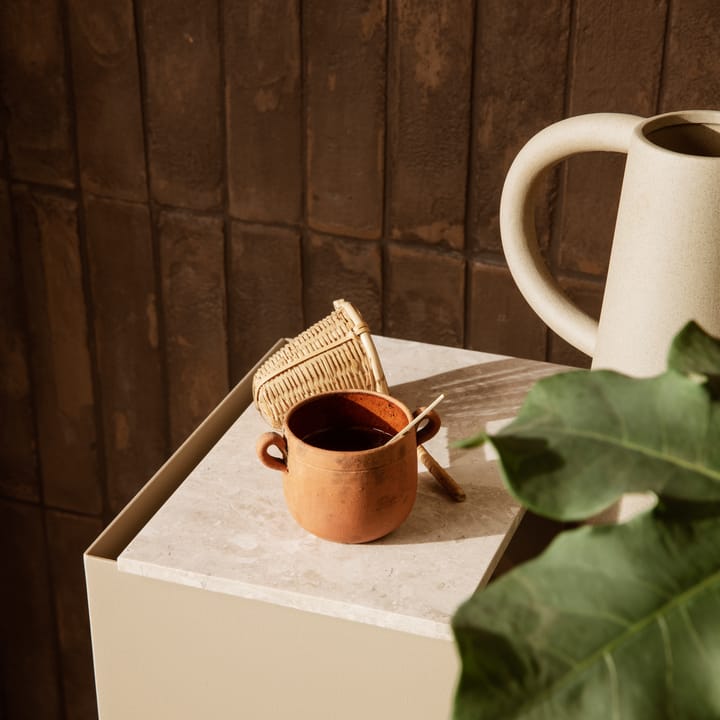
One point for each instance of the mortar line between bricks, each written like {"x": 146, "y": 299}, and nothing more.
{"x": 577, "y": 275}
{"x": 72, "y": 194}
{"x": 97, "y": 417}
{"x": 84, "y": 251}
{"x": 304, "y": 224}
{"x": 294, "y": 227}
{"x": 229, "y": 318}
{"x": 570, "y": 57}
{"x": 154, "y": 233}
{"x": 390, "y": 26}
{"x": 424, "y": 248}
{"x": 6, "y": 176}
{"x": 660, "y": 98}
{"x": 488, "y": 257}
{"x": 40, "y": 505}
{"x": 38, "y": 469}
{"x": 471, "y": 148}
{"x": 3, "y": 701}
{"x": 52, "y": 190}
{"x": 492, "y": 259}
{"x": 407, "y": 241}
{"x": 160, "y": 207}
{"x": 561, "y": 178}
{"x": 104, "y": 515}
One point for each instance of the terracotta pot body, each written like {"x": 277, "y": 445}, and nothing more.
{"x": 348, "y": 496}
{"x": 665, "y": 263}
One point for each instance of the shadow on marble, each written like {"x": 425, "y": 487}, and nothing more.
{"x": 437, "y": 519}
{"x": 474, "y": 396}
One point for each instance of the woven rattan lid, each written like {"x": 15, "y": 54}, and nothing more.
{"x": 336, "y": 353}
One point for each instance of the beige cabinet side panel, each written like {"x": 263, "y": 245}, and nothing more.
{"x": 163, "y": 650}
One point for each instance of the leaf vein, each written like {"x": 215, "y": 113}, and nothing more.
{"x": 669, "y": 674}
{"x": 643, "y": 450}
{"x": 694, "y": 633}
{"x": 608, "y": 647}
{"x": 614, "y": 689}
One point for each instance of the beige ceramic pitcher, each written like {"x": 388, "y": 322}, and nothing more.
{"x": 665, "y": 261}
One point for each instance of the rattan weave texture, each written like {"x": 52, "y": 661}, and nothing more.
{"x": 336, "y": 353}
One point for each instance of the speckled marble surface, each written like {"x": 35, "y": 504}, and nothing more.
{"x": 226, "y": 528}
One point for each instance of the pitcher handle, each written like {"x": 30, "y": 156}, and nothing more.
{"x": 595, "y": 132}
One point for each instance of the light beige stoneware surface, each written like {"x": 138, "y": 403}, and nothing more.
{"x": 226, "y": 529}
{"x": 664, "y": 268}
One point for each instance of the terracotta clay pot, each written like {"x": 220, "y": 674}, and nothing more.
{"x": 355, "y": 495}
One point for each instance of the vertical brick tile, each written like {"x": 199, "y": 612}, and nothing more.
{"x": 60, "y": 358}
{"x": 617, "y": 57}
{"x": 19, "y": 477}
{"x": 690, "y": 72}
{"x": 68, "y": 537}
{"x": 193, "y": 278}
{"x": 27, "y": 652}
{"x": 587, "y": 295}
{"x": 265, "y": 292}
{"x": 500, "y": 319}
{"x": 520, "y": 58}
{"x": 429, "y": 118}
{"x": 264, "y": 117}
{"x": 589, "y": 210}
{"x": 126, "y": 331}
{"x": 345, "y": 106}
{"x": 107, "y": 96}
{"x": 425, "y": 296}
{"x": 348, "y": 269}
{"x": 34, "y": 92}
{"x": 184, "y": 102}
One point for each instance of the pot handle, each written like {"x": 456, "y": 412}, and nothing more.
{"x": 595, "y": 132}
{"x": 428, "y": 426}
{"x": 264, "y": 443}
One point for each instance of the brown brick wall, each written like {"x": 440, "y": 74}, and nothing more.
{"x": 183, "y": 183}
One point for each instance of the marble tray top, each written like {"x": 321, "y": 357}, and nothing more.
{"x": 226, "y": 528}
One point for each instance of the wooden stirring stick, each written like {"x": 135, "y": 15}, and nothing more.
{"x": 439, "y": 473}
{"x": 444, "y": 478}
{"x": 416, "y": 420}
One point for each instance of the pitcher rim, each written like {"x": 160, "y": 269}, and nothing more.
{"x": 677, "y": 118}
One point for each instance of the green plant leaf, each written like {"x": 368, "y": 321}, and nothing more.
{"x": 472, "y": 442}
{"x": 582, "y": 439}
{"x": 695, "y": 353}
{"x": 617, "y": 621}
